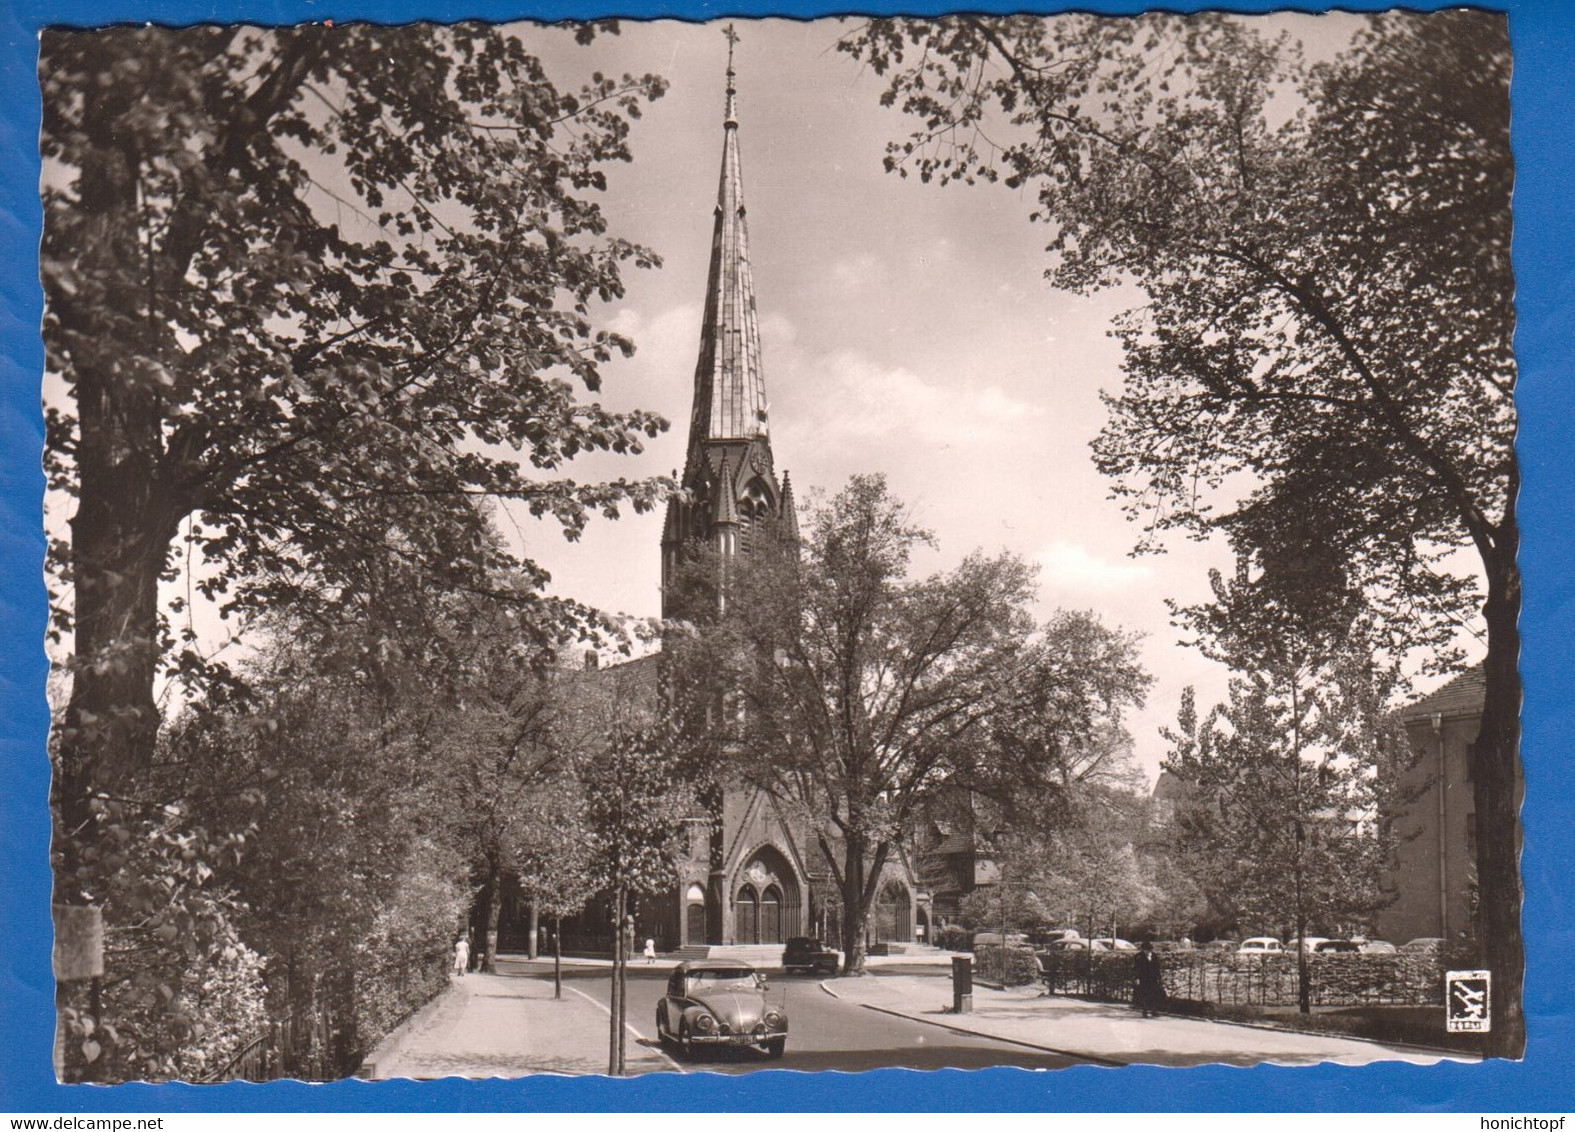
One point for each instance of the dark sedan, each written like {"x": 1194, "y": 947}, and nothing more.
{"x": 808, "y": 954}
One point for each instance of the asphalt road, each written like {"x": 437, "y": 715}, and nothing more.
{"x": 823, "y": 1032}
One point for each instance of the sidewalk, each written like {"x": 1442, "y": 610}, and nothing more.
{"x": 1111, "y": 1032}
{"x": 496, "y": 1026}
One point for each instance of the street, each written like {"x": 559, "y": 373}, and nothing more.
{"x": 509, "y": 1025}
{"x": 823, "y": 1032}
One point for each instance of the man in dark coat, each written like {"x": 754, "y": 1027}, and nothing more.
{"x": 1150, "y": 993}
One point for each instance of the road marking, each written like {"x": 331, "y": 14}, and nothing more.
{"x": 829, "y": 991}
{"x": 1089, "y": 1057}
{"x": 630, "y": 1027}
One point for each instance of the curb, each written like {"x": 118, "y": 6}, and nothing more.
{"x": 1090, "y": 1058}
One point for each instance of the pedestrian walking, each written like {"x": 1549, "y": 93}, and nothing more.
{"x": 1149, "y": 994}
{"x": 461, "y": 956}
{"x": 650, "y": 951}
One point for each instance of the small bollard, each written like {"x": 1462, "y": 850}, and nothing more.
{"x": 962, "y": 984}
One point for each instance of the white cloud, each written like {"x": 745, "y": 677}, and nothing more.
{"x": 860, "y": 271}
{"x": 866, "y": 399}
{"x": 1074, "y": 566}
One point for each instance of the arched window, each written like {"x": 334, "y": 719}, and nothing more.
{"x": 754, "y": 502}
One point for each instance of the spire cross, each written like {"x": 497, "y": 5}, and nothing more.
{"x": 730, "y": 33}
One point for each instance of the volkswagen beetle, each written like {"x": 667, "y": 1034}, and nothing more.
{"x": 719, "y": 1004}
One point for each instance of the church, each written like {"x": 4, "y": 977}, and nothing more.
{"x": 748, "y": 876}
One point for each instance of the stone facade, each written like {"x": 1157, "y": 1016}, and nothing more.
{"x": 1435, "y": 872}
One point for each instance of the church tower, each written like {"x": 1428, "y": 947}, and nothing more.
{"x": 731, "y": 494}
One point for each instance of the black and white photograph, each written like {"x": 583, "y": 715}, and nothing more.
{"x": 661, "y": 547}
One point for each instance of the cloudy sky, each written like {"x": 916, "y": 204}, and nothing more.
{"x": 907, "y": 329}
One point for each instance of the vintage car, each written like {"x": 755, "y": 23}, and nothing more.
{"x": 808, "y": 954}
{"x": 716, "y": 1004}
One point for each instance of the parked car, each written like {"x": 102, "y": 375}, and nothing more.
{"x": 1051, "y": 936}
{"x": 1111, "y": 945}
{"x": 1069, "y": 945}
{"x": 719, "y": 1004}
{"x": 807, "y": 954}
{"x": 1379, "y": 947}
{"x": 1309, "y": 943}
{"x": 1261, "y": 945}
{"x": 1337, "y": 947}
{"x": 1426, "y": 945}
{"x": 1220, "y": 945}
{"x": 993, "y": 939}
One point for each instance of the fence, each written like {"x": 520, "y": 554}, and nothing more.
{"x": 298, "y": 1047}
{"x": 1253, "y": 980}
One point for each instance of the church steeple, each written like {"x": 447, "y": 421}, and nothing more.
{"x": 730, "y": 389}
{"x": 731, "y": 494}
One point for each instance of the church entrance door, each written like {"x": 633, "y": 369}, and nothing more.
{"x": 747, "y": 914}
{"x": 771, "y": 916}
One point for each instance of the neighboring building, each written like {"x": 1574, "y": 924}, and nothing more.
{"x": 1435, "y": 868}
{"x": 750, "y": 877}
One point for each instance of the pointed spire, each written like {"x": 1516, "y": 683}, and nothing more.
{"x": 726, "y": 504}
{"x": 789, "y": 515}
{"x": 730, "y": 392}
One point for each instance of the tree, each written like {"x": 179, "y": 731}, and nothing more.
{"x": 633, "y": 803}
{"x": 301, "y": 286}
{"x": 1292, "y": 782}
{"x": 851, "y": 692}
{"x": 1323, "y": 255}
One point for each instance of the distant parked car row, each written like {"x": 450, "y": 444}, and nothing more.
{"x": 1067, "y": 939}
{"x": 1318, "y": 945}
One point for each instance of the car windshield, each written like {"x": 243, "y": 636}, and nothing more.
{"x": 731, "y": 979}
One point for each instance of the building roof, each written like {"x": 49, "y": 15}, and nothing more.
{"x": 1461, "y": 696}
{"x": 730, "y": 390}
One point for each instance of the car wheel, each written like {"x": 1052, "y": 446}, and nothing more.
{"x": 683, "y": 1040}
{"x": 776, "y": 1047}
{"x": 664, "y": 1037}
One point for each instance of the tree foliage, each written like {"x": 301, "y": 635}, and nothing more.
{"x": 1321, "y": 361}
{"x": 1289, "y": 788}
{"x": 311, "y": 293}
{"x": 313, "y": 296}
{"x": 853, "y": 692}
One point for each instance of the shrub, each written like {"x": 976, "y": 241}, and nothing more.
{"x": 1009, "y": 966}
{"x": 954, "y": 937}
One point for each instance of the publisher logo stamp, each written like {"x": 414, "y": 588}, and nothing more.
{"x": 1466, "y": 1001}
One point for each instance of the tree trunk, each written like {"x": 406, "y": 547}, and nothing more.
{"x": 854, "y": 910}
{"x": 531, "y": 942}
{"x": 860, "y": 880}
{"x": 716, "y": 880}
{"x": 557, "y": 957}
{"x": 614, "y": 1046}
{"x": 489, "y": 908}
{"x": 625, "y": 949}
{"x": 1498, "y": 787}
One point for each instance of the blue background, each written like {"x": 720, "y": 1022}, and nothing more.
{"x": 1543, "y": 34}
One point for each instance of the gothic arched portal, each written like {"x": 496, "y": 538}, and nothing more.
{"x": 768, "y": 901}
